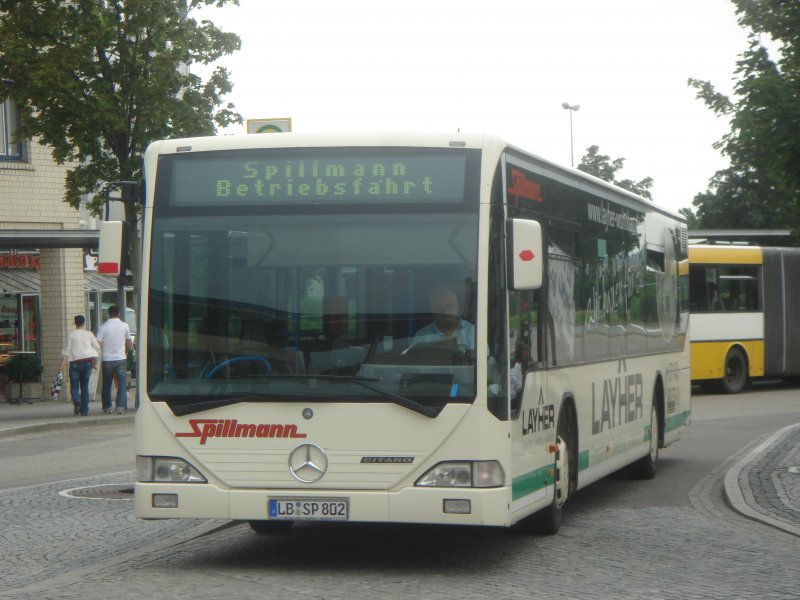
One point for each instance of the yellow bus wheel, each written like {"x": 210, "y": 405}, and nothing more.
{"x": 735, "y": 371}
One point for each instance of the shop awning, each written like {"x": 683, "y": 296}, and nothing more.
{"x": 19, "y": 282}
{"x": 94, "y": 282}
{"x": 29, "y": 282}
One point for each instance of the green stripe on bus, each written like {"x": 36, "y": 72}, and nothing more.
{"x": 677, "y": 421}
{"x": 536, "y": 480}
{"x": 541, "y": 477}
{"x": 531, "y": 482}
{"x": 583, "y": 460}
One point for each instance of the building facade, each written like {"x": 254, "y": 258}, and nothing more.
{"x": 31, "y": 200}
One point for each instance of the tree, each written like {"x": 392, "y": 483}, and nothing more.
{"x": 761, "y": 187}
{"x": 98, "y": 80}
{"x": 601, "y": 166}
{"x": 691, "y": 219}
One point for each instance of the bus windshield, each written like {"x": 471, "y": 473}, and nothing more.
{"x": 310, "y": 302}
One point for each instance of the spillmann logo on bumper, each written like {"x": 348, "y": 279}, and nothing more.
{"x": 231, "y": 428}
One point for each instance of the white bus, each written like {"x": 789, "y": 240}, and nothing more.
{"x": 396, "y": 328}
{"x": 745, "y": 302}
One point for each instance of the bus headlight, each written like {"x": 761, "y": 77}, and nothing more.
{"x": 480, "y": 474}
{"x": 160, "y": 469}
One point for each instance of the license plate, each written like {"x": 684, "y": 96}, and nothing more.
{"x": 312, "y": 509}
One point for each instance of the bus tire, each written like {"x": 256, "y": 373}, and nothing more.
{"x": 735, "y": 375}
{"x": 645, "y": 467}
{"x": 266, "y": 527}
{"x": 548, "y": 520}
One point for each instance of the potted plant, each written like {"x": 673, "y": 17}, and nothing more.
{"x": 23, "y": 369}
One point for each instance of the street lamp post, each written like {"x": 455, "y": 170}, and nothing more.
{"x": 571, "y": 108}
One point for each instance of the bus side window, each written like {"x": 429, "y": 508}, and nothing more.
{"x": 698, "y": 292}
{"x": 523, "y": 315}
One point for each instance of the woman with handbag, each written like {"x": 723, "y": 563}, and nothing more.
{"x": 81, "y": 354}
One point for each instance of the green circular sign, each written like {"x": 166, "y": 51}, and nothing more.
{"x": 269, "y": 128}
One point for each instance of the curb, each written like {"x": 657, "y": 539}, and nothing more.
{"x": 735, "y": 495}
{"x": 38, "y": 427}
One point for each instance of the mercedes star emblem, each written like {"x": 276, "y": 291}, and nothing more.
{"x": 308, "y": 463}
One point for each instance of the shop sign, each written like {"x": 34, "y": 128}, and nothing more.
{"x": 20, "y": 261}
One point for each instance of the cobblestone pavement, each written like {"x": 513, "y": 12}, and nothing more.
{"x": 60, "y": 547}
{"x": 765, "y": 483}
{"x": 65, "y": 548}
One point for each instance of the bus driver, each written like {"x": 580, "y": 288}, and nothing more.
{"x": 447, "y": 323}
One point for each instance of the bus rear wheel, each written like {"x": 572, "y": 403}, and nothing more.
{"x": 735, "y": 371}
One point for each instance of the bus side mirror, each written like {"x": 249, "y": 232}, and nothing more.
{"x": 524, "y": 255}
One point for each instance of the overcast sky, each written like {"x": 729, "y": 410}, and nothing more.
{"x": 503, "y": 67}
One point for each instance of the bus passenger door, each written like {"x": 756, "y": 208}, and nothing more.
{"x": 532, "y": 414}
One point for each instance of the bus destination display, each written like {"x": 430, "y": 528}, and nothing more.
{"x": 349, "y": 179}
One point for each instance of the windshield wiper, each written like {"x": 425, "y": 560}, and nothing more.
{"x": 423, "y": 409}
{"x": 195, "y": 407}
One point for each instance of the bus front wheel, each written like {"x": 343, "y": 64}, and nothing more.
{"x": 548, "y": 520}
{"x": 735, "y": 371}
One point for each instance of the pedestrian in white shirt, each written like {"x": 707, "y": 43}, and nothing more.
{"x": 80, "y": 354}
{"x": 115, "y": 340}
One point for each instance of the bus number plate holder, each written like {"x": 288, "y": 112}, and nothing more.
{"x": 312, "y": 509}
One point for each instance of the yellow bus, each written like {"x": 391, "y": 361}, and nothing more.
{"x": 745, "y": 323}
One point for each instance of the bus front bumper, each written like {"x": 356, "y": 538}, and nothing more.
{"x": 454, "y": 506}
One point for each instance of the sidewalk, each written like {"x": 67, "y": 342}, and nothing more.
{"x": 764, "y": 483}
{"x": 43, "y": 415}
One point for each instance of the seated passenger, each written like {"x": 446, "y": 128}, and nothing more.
{"x": 447, "y": 324}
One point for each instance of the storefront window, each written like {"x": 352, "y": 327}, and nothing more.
{"x": 18, "y": 334}
{"x": 8, "y": 330}
{"x": 30, "y": 324}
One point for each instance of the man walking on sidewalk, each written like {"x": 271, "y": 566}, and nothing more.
{"x": 115, "y": 340}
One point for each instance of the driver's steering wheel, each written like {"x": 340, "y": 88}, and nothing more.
{"x": 443, "y": 353}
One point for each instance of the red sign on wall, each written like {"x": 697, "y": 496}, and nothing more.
{"x": 20, "y": 261}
